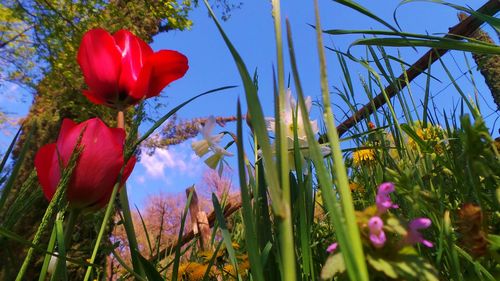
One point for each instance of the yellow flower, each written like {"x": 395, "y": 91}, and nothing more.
{"x": 354, "y": 186}
{"x": 363, "y": 156}
{"x": 193, "y": 271}
{"x": 432, "y": 135}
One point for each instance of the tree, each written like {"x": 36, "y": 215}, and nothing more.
{"x": 57, "y": 28}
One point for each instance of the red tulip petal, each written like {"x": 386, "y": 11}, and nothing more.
{"x": 160, "y": 69}
{"x": 100, "y": 61}
{"x": 66, "y": 127}
{"x": 99, "y": 164}
{"x": 127, "y": 170}
{"x": 134, "y": 53}
{"x": 95, "y": 98}
{"x": 68, "y": 136}
{"x": 47, "y": 169}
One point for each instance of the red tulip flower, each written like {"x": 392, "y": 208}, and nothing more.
{"x": 121, "y": 69}
{"x": 98, "y": 167}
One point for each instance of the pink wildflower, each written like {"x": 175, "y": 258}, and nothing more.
{"x": 332, "y": 248}
{"x": 383, "y": 200}
{"x": 414, "y": 236}
{"x": 377, "y": 234}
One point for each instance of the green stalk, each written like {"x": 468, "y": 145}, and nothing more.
{"x": 104, "y": 224}
{"x": 46, "y": 261}
{"x": 360, "y": 273}
{"x": 254, "y": 253}
{"x": 285, "y": 222}
{"x": 53, "y": 206}
{"x": 127, "y": 217}
{"x": 129, "y": 229}
{"x": 64, "y": 241}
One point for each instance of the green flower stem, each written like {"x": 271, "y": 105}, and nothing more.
{"x": 104, "y": 223}
{"x": 127, "y": 217}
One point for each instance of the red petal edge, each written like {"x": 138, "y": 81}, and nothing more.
{"x": 47, "y": 169}
{"x": 160, "y": 69}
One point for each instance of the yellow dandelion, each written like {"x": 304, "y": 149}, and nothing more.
{"x": 432, "y": 135}
{"x": 198, "y": 271}
{"x": 235, "y": 245}
{"x": 193, "y": 271}
{"x": 229, "y": 269}
{"x": 363, "y": 156}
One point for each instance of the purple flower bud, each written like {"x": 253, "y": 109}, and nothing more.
{"x": 332, "y": 248}
{"x": 414, "y": 236}
{"x": 383, "y": 200}
{"x": 386, "y": 188}
{"x": 377, "y": 234}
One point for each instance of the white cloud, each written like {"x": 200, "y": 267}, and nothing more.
{"x": 176, "y": 160}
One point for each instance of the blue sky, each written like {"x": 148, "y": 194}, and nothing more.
{"x": 251, "y": 31}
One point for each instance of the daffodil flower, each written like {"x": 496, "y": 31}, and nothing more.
{"x": 287, "y": 121}
{"x": 210, "y": 143}
{"x": 290, "y": 108}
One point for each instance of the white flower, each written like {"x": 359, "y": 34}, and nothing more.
{"x": 290, "y": 108}
{"x": 210, "y": 143}
{"x": 287, "y": 121}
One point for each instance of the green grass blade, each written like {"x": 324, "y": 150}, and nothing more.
{"x": 61, "y": 273}
{"x": 48, "y": 257}
{"x": 149, "y": 269}
{"x": 54, "y": 204}
{"x": 145, "y": 229}
{"x": 248, "y": 218}
{"x": 442, "y": 43}
{"x": 355, "y": 6}
{"x": 9, "y": 150}
{"x": 354, "y": 258}
{"x": 426, "y": 96}
{"x": 15, "y": 171}
{"x": 128, "y": 224}
{"x": 164, "y": 118}
{"x": 330, "y": 196}
{"x": 493, "y": 21}
{"x": 177, "y": 257}
{"x": 226, "y": 236}
{"x": 284, "y": 221}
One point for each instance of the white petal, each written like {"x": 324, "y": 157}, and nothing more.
{"x": 208, "y": 128}
{"x": 200, "y": 147}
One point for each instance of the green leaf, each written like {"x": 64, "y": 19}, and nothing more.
{"x": 334, "y": 265}
{"x": 355, "y": 6}
{"x": 164, "y": 118}
{"x": 149, "y": 269}
{"x": 393, "y": 224}
{"x": 441, "y": 43}
{"x": 9, "y": 150}
{"x": 4, "y": 192}
{"x": 381, "y": 265}
{"x": 494, "y": 241}
{"x": 494, "y": 22}
{"x": 225, "y": 232}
